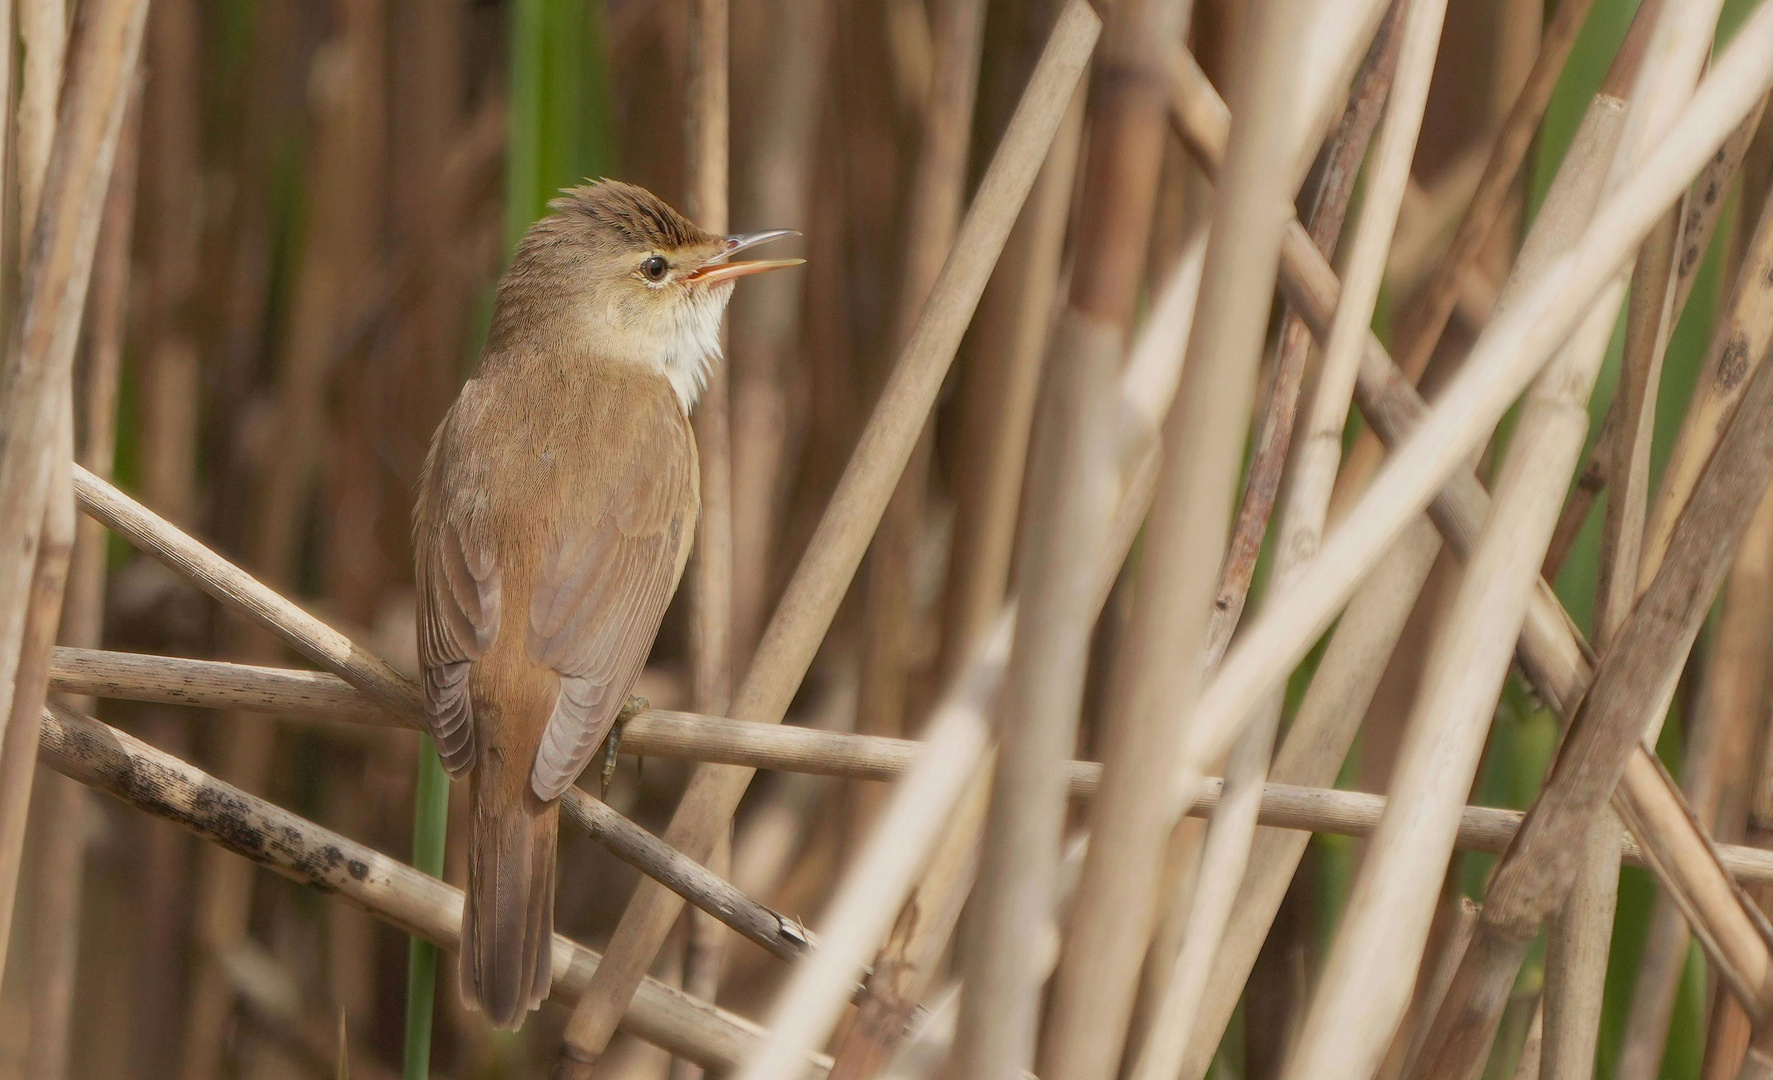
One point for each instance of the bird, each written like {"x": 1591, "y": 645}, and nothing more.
{"x": 553, "y": 517}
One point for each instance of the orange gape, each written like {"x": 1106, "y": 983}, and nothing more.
{"x": 554, "y": 517}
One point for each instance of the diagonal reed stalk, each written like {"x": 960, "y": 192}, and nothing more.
{"x": 835, "y": 550}
{"x": 1581, "y": 934}
{"x": 1553, "y": 653}
{"x": 160, "y": 784}
{"x": 392, "y": 692}
{"x": 1108, "y": 929}
{"x": 1385, "y": 928}
{"x": 1632, "y": 688}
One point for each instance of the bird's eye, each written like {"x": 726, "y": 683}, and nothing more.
{"x": 654, "y": 268}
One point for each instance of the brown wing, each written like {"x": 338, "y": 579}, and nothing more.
{"x": 458, "y": 618}
{"x": 600, "y": 596}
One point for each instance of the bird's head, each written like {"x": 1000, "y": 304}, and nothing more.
{"x": 617, "y": 271}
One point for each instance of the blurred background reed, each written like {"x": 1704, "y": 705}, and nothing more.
{"x": 311, "y": 204}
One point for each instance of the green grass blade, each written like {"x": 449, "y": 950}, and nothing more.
{"x": 429, "y": 828}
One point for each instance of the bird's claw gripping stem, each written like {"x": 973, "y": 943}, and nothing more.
{"x": 634, "y": 706}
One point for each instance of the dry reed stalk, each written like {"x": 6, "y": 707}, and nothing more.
{"x": 910, "y": 961}
{"x": 63, "y": 818}
{"x": 997, "y": 393}
{"x": 1557, "y": 660}
{"x": 1156, "y": 668}
{"x": 170, "y": 369}
{"x": 1307, "y": 503}
{"x": 1506, "y": 357}
{"x": 1666, "y": 948}
{"x": 1071, "y": 497}
{"x": 1631, "y": 689}
{"x": 1704, "y": 209}
{"x": 775, "y": 180}
{"x": 36, "y": 424}
{"x": 1431, "y": 212}
{"x": 237, "y": 589}
{"x": 711, "y": 595}
{"x": 1274, "y": 439}
{"x": 1453, "y": 940}
{"x": 43, "y": 35}
{"x": 1723, "y": 730}
{"x": 712, "y": 582}
{"x": 1736, "y": 691}
{"x": 1372, "y": 965}
{"x": 415, "y": 903}
{"x": 1580, "y": 935}
{"x": 836, "y": 548}
{"x": 777, "y": 934}
{"x": 1311, "y": 755}
{"x": 382, "y": 685}
{"x": 1066, "y": 524}
{"x": 1335, "y": 49}
{"x": 1365, "y": 457}
{"x": 936, "y": 197}
{"x": 1507, "y": 153}
{"x": 1290, "y": 805}
{"x": 868, "y": 899}
{"x": 1739, "y": 345}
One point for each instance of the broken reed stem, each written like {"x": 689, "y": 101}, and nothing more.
{"x": 1415, "y": 26}
{"x": 36, "y": 404}
{"x": 867, "y": 900}
{"x": 836, "y": 548}
{"x": 416, "y": 903}
{"x": 313, "y": 695}
{"x": 1505, "y": 358}
{"x": 1508, "y": 152}
{"x": 384, "y": 688}
{"x": 1155, "y": 672}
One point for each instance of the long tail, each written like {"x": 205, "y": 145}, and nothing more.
{"x": 508, "y": 925}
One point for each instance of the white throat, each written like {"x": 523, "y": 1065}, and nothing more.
{"x": 691, "y": 342}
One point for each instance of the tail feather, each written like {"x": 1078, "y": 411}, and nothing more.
{"x": 508, "y": 924}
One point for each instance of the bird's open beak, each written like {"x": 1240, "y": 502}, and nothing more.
{"x": 720, "y": 268}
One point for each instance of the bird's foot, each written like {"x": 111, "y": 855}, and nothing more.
{"x": 634, "y": 706}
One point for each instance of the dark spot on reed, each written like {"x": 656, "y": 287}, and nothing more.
{"x": 1733, "y": 365}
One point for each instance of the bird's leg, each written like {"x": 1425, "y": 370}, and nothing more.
{"x": 634, "y": 706}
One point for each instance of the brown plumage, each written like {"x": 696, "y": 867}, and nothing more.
{"x": 554, "y": 517}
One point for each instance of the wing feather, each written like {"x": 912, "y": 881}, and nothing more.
{"x": 459, "y": 592}
{"x": 597, "y": 604}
